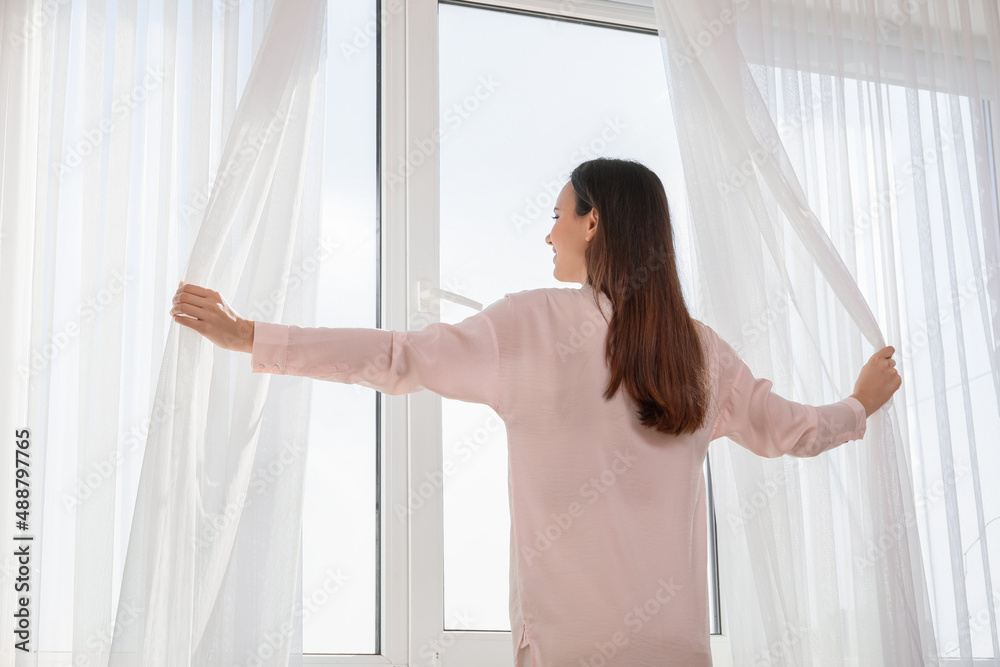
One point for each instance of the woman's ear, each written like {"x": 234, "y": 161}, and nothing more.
{"x": 592, "y": 225}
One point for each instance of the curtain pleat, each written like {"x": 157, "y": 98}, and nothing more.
{"x": 189, "y": 157}
{"x": 840, "y": 185}
{"x": 206, "y": 603}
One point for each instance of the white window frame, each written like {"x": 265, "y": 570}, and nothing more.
{"x": 411, "y": 579}
{"x": 410, "y": 49}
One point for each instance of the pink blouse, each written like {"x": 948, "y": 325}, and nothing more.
{"x": 608, "y": 527}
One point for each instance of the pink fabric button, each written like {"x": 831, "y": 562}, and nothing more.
{"x": 275, "y": 368}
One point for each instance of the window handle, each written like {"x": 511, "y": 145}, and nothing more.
{"x": 429, "y": 298}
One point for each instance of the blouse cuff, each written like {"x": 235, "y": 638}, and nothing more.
{"x": 270, "y": 344}
{"x": 859, "y": 411}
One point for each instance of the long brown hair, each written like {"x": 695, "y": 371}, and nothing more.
{"x": 653, "y": 348}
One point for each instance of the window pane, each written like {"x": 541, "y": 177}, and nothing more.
{"x": 339, "y": 535}
{"x": 523, "y": 100}
{"x": 339, "y": 554}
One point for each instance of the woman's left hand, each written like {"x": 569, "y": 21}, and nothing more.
{"x": 205, "y": 311}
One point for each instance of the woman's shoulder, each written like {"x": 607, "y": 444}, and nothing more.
{"x": 709, "y": 336}
{"x": 705, "y": 332}
{"x": 543, "y": 304}
{"x": 542, "y": 294}
{"x": 725, "y": 357}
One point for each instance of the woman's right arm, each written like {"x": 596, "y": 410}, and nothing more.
{"x": 459, "y": 361}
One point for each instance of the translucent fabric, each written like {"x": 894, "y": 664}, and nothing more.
{"x": 195, "y": 559}
{"x": 839, "y": 178}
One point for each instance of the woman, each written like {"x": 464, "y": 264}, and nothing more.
{"x": 610, "y": 394}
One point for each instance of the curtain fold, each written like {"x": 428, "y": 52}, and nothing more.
{"x": 206, "y": 596}
{"x": 825, "y": 149}
{"x": 194, "y": 557}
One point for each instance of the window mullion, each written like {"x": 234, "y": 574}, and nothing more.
{"x": 394, "y": 557}
{"x": 419, "y": 169}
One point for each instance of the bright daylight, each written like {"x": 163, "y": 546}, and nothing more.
{"x": 454, "y": 333}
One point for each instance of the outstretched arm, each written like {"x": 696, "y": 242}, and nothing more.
{"x": 770, "y": 425}
{"x": 459, "y": 361}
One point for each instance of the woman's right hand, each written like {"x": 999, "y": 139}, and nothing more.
{"x": 878, "y": 380}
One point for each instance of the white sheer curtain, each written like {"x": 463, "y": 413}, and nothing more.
{"x": 173, "y": 174}
{"x": 842, "y": 199}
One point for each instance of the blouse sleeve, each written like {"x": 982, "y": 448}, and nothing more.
{"x": 459, "y": 361}
{"x": 769, "y": 425}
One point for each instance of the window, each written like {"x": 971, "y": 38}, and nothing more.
{"x": 515, "y": 120}
{"x": 340, "y": 534}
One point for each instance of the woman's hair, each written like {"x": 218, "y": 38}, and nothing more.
{"x": 653, "y": 347}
